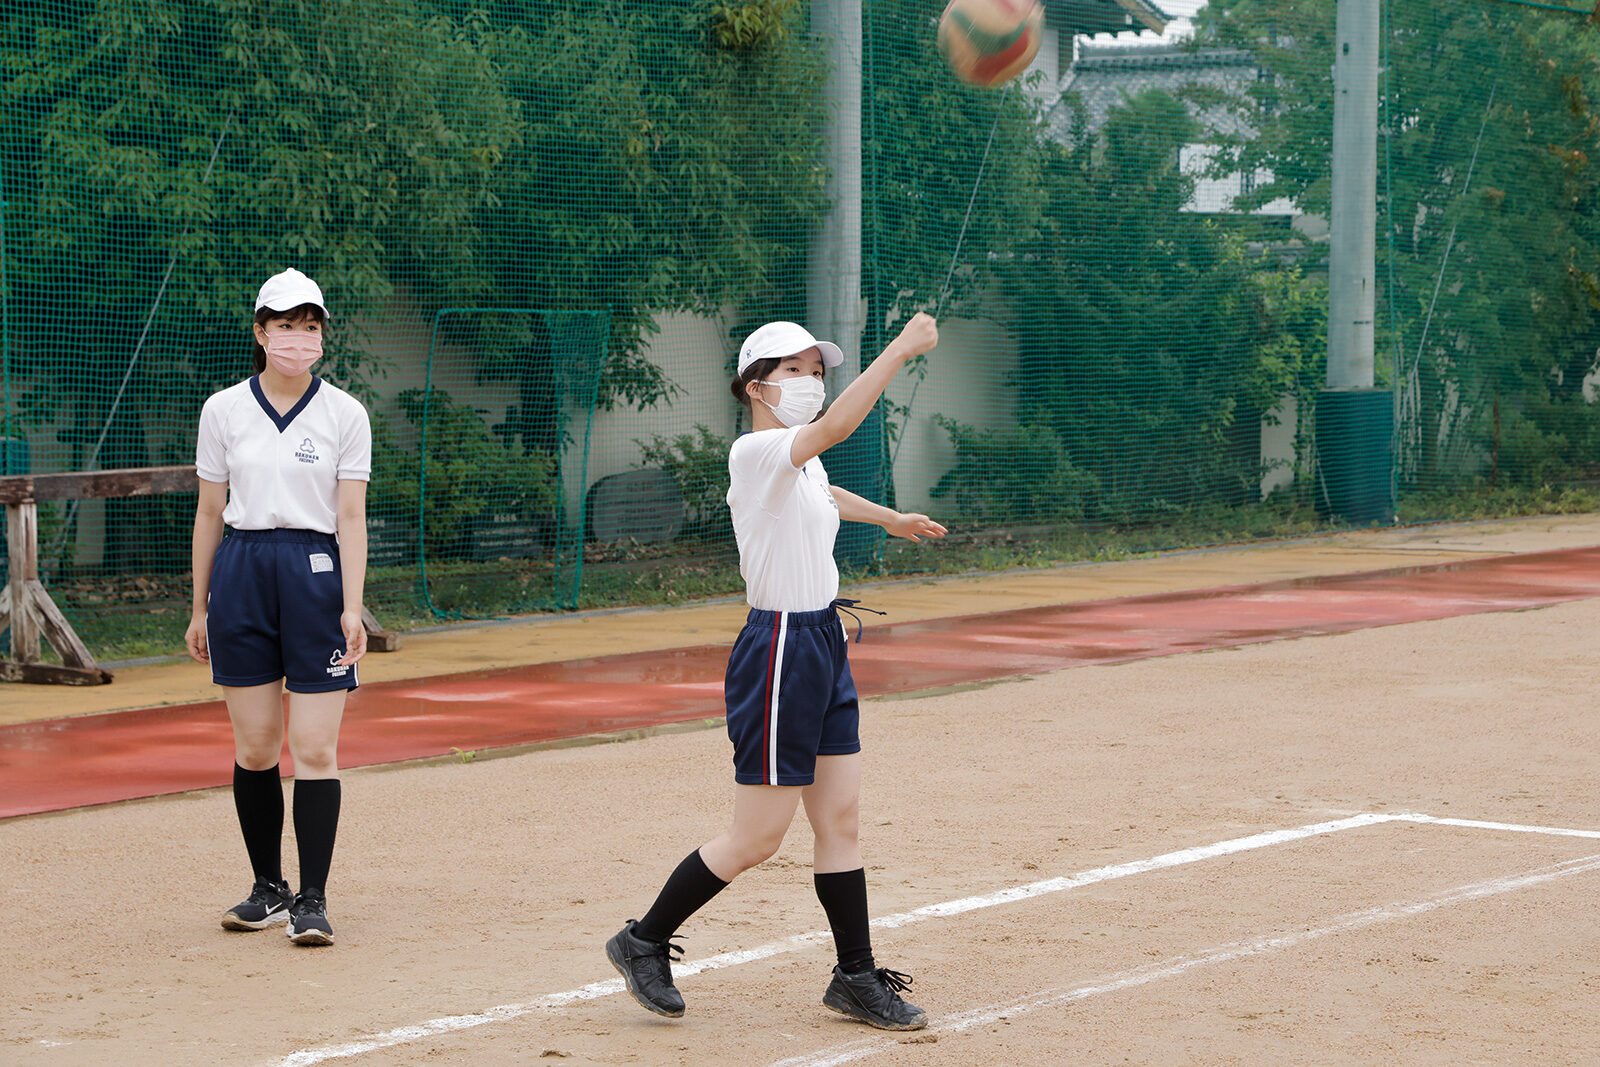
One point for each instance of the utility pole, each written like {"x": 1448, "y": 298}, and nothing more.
{"x": 833, "y": 280}
{"x": 1352, "y": 269}
{"x": 834, "y": 308}
{"x": 1355, "y": 421}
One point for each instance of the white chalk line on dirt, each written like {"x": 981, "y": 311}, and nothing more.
{"x": 594, "y": 990}
{"x": 1478, "y": 824}
{"x": 501, "y": 1013}
{"x": 1178, "y": 965}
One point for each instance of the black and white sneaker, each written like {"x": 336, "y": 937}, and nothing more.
{"x": 267, "y": 904}
{"x": 646, "y": 966}
{"x": 308, "y": 919}
{"x": 873, "y": 997}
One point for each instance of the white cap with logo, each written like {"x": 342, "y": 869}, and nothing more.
{"x": 288, "y": 290}
{"x": 776, "y": 340}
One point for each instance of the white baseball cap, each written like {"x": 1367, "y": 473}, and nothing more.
{"x": 287, "y": 290}
{"x": 776, "y": 340}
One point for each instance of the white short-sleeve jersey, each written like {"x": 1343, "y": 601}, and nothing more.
{"x": 785, "y": 520}
{"x": 283, "y": 471}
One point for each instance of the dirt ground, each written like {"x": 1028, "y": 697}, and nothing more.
{"x": 463, "y": 887}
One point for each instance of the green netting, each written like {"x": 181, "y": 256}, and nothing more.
{"x": 543, "y": 229}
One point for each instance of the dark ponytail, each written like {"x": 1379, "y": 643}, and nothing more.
{"x": 753, "y": 373}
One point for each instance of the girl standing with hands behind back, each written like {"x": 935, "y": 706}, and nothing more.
{"x": 792, "y": 712}
{"x": 280, "y": 558}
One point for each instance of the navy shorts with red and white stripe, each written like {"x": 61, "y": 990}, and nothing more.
{"x": 790, "y": 696}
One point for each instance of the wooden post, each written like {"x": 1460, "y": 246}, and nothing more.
{"x": 22, "y": 555}
{"x": 29, "y": 611}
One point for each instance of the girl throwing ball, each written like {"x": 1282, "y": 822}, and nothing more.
{"x": 792, "y": 713}
{"x": 280, "y": 557}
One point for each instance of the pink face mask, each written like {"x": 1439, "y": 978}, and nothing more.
{"x": 292, "y": 353}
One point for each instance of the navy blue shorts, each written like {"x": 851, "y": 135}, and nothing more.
{"x": 790, "y": 696}
{"x": 276, "y": 598}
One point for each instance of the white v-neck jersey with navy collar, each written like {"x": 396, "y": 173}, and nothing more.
{"x": 785, "y": 520}
{"x": 283, "y": 471}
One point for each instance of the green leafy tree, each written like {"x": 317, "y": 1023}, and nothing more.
{"x": 472, "y": 475}
{"x": 1014, "y": 474}
{"x": 925, "y": 137}
{"x": 1488, "y": 240}
{"x": 168, "y": 154}
{"x": 657, "y": 169}
{"x": 1148, "y": 336}
{"x": 162, "y": 156}
{"x": 698, "y": 462}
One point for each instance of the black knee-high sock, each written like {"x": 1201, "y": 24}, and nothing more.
{"x": 688, "y": 889}
{"x": 316, "y": 823}
{"x": 258, "y": 798}
{"x": 844, "y": 898}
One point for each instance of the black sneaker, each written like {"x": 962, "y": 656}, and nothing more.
{"x": 647, "y": 968}
{"x": 268, "y": 903}
{"x": 308, "y": 919}
{"x": 874, "y": 998}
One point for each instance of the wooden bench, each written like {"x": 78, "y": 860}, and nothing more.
{"x": 25, "y": 605}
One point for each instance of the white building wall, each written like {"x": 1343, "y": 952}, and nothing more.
{"x": 695, "y": 353}
{"x": 1047, "y": 90}
{"x": 1278, "y": 428}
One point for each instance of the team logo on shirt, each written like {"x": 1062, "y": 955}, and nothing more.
{"x": 307, "y": 452}
{"x": 827, "y": 491}
{"x": 335, "y": 668}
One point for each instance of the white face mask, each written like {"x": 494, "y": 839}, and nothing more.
{"x": 802, "y": 399}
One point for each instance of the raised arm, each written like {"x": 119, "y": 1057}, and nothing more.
{"x": 852, "y": 405}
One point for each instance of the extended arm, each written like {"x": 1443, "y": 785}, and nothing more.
{"x": 911, "y": 526}
{"x": 852, "y": 406}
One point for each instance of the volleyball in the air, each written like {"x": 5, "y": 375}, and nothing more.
{"x": 989, "y": 42}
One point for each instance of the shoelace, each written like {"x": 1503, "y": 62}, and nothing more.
{"x": 846, "y": 606}
{"x": 264, "y": 892}
{"x": 661, "y": 948}
{"x": 896, "y": 981}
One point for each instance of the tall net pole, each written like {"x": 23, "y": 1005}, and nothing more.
{"x": 1354, "y": 421}
{"x": 1352, "y": 283}
{"x": 833, "y": 283}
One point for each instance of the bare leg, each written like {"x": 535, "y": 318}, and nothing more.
{"x": 833, "y": 807}
{"x": 314, "y": 720}
{"x": 256, "y": 712}
{"x": 761, "y": 817}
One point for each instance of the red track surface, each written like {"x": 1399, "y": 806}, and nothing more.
{"x": 93, "y": 759}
